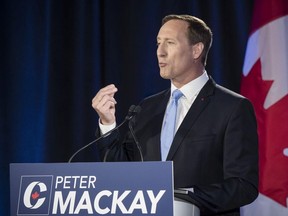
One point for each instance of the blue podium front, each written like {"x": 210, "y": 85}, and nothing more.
{"x": 111, "y": 188}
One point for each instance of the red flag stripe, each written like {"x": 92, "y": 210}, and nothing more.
{"x": 266, "y": 11}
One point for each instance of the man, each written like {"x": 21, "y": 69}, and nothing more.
{"x": 215, "y": 147}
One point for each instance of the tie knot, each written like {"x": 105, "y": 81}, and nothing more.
{"x": 176, "y": 94}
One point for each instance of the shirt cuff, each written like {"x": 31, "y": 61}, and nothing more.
{"x": 187, "y": 189}
{"x": 106, "y": 128}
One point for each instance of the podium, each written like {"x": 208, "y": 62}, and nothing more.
{"x": 110, "y": 188}
{"x": 184, "y": 208}
{"x": 184, "y": 205}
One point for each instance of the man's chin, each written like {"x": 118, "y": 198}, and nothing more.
{"x": 164, "y": 75}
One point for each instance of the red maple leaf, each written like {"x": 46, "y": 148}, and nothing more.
{"x": 35, "y": 195}
{"x": 273, "y": 136}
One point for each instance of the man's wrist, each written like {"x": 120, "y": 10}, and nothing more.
{"x": 106, "y": 128}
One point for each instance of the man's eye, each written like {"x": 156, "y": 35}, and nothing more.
{"x": 170, "y": 42}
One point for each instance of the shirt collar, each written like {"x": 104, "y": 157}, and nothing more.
{"x": 191, "y": 89}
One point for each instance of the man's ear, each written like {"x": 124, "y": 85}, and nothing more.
{"x": 197, "y": 50}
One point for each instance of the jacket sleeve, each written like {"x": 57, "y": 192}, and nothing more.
{"x": 110, "y": 147}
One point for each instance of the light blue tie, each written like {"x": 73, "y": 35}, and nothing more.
{"x": 169, "y": 124}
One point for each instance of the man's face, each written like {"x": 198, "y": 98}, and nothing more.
{"x": 174, "y": 53}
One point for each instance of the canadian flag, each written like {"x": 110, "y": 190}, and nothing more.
{"x": 265, "y": 83}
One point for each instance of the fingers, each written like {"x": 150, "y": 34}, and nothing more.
{"x": 107, "y": 92}
{"x": 104, "y": 104}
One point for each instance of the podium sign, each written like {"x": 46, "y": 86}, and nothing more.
{"x": 111, "y": 188}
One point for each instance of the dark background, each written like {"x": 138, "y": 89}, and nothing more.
{"x": 56, "y": 54}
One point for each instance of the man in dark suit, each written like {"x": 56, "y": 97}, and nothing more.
{"x": 215, "y": 147}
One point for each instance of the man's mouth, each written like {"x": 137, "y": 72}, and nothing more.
{"x": 161, "y": 64}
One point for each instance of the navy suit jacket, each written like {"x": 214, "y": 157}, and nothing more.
{"x": 215, "y": 150}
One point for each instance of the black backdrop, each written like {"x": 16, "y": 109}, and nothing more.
{"x": 56, "y": 54}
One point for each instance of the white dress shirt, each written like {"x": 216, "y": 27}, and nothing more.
{"x": 190, "y": 92}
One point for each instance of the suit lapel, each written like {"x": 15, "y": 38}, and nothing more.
{"x": 195, "y": 110}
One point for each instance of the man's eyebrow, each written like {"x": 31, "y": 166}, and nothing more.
{"x": 166, "y": 38}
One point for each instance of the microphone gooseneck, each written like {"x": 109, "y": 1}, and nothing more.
{"x": 133, "y": 110}
{"x": 135, "y": 140}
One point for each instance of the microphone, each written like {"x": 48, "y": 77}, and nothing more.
{"x": 133, "y": 110}
{"x": 137, "y": 110}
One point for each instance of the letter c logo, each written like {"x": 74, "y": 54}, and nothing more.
{"x": 28, "y": 195}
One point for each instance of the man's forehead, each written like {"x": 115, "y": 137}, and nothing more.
{"x": 172, "y": 29}
{"x": 176, "y": 23}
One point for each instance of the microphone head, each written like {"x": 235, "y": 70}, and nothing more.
{"x": 133, "y": 110}
{"x": 137, "y": 109}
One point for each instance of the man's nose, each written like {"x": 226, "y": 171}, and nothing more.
{"x": 161, "y": 51}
